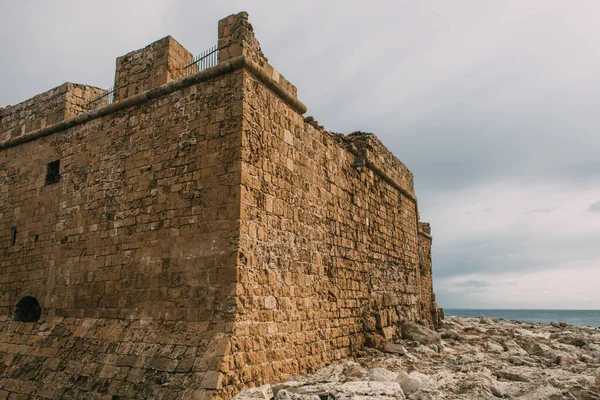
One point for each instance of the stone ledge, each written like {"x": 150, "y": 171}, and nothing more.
{"x": 425, "y": 234}
{"x": 202, "y": 76}
{"x": 362, "y": 161}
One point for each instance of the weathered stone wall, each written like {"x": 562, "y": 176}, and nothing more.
{"x": 236, "y": 39}
{"x": 328, "y": 249}
{"x": 203, "y": 237}
{"x": 426, "y": 282}
{"x": 142, "y": 226}
{"x": 70, "y": 358}
{"x": 45, "y": 109}
{"x": 156, "y": 64}
{"x": 147, "y": 204}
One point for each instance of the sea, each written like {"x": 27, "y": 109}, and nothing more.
{"x": 573, "y": 317}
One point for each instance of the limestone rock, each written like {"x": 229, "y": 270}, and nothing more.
{"x": 331, "y": 373}
{"x": 380, "y": 375}
{"x": 287, "y": 395}
{"x": 354, "y": 371}
{"x": 368, "y": 390}
{"x": 539, "y": 349}
{"x": 450, "y": 334}
{"x": 419, "y": 333}
{"x": 503, "y": 359}
{"x": 512, "y": 375}
{"x": 414, "y": 381}
{"x": 394, "y": 348}
{"x": 513, "y": 348}
{"x": 317, "y": 389}
{"x": 258, "y": 393}
{"x": 494, "y": 347}
{"x": 375, "y": 341}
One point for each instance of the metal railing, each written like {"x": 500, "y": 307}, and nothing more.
{"x": 207, "y": 59}
{"x": 102, "y": 100}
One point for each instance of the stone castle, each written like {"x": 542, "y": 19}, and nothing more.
{"x": 197, "y": 235}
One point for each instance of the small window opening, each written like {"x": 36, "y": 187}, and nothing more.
{"x": 53, "y": 172}
{"x": 28, "y": 310}
{"x": 13, "y": 236}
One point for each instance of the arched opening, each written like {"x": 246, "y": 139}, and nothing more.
{"x": 28, "y": 310}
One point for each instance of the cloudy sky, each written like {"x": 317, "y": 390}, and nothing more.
{"x": 494, "y": 106}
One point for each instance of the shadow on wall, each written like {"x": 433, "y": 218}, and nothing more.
{"x": 28, "y": 310}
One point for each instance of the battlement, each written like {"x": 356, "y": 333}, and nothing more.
{"x": 141, "y": 75}
{"x": 63, "y": 102}
{"x": 373, "y": 154}
{"x": 156, "y": 64}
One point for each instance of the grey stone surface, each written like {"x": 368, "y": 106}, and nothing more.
{"x": 258, "y": 393}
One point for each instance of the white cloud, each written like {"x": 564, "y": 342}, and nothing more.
{"x": 574, "y": 286}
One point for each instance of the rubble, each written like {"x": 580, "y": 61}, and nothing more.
{"x": 479, "y": 359}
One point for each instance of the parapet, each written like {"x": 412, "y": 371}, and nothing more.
{"x": 425, "y": 229}
{"x": 153, "y": 71}
{"x": 156, "y": 64}
{"x": 236, "y": 38}
{"x": 371, "y": 153}
{"x": 63, "y": 102}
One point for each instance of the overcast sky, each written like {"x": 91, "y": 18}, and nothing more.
{"x": 494, "y": 106}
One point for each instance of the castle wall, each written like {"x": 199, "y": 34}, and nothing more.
{"x": 147, "y": 203}
{"x": 236, "y": 39}
{"x": 201, "y": 236}
{"x": 72, "y": 358}
{"x": 131, "y": 254}
{"x": 45, "y": 109}
{"x": 426, "y": 281}
{"x": 328, "y": 246}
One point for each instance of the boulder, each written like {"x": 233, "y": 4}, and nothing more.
{"x": 449, "y": 351}
{"x": 498, "y": 389}
{"x": 419, "y": 333}
{"x": 380, "y": 375}
{"x": 354, "y": 372}
{"x": 366, "y": 390}
{"x": 414, "y": 381}
{"x": 572, "y": 340}
{"x": 375, "y": 341}
{"x": 450, "y": 334}
{"x": 513, "y": 348}
{"x": 331, "y": 373}
{"x": 426, "y": 350}
{"x": 287, "y": 395}
{"x": 258, "y": 393}
{"x": 538, "y": 349}
{"x": 321, "y": 390}
{"x": 512, "y": 375}
{"x": 493, "y": 347}
{"x": 394, "y": 348}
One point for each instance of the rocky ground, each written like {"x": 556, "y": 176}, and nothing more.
{"x": 468, "y": 358}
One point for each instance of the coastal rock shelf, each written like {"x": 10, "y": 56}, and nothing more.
{"x": 476, "y": 358}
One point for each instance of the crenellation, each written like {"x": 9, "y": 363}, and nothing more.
{"x": 156, "y": 64}
{"x": 199, "y": 235}
{"x": 63, "y": 102}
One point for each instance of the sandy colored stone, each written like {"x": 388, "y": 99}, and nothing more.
{"x": 202, "y": 237}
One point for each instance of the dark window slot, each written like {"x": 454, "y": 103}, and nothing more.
{"x": 53, "y": 172}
